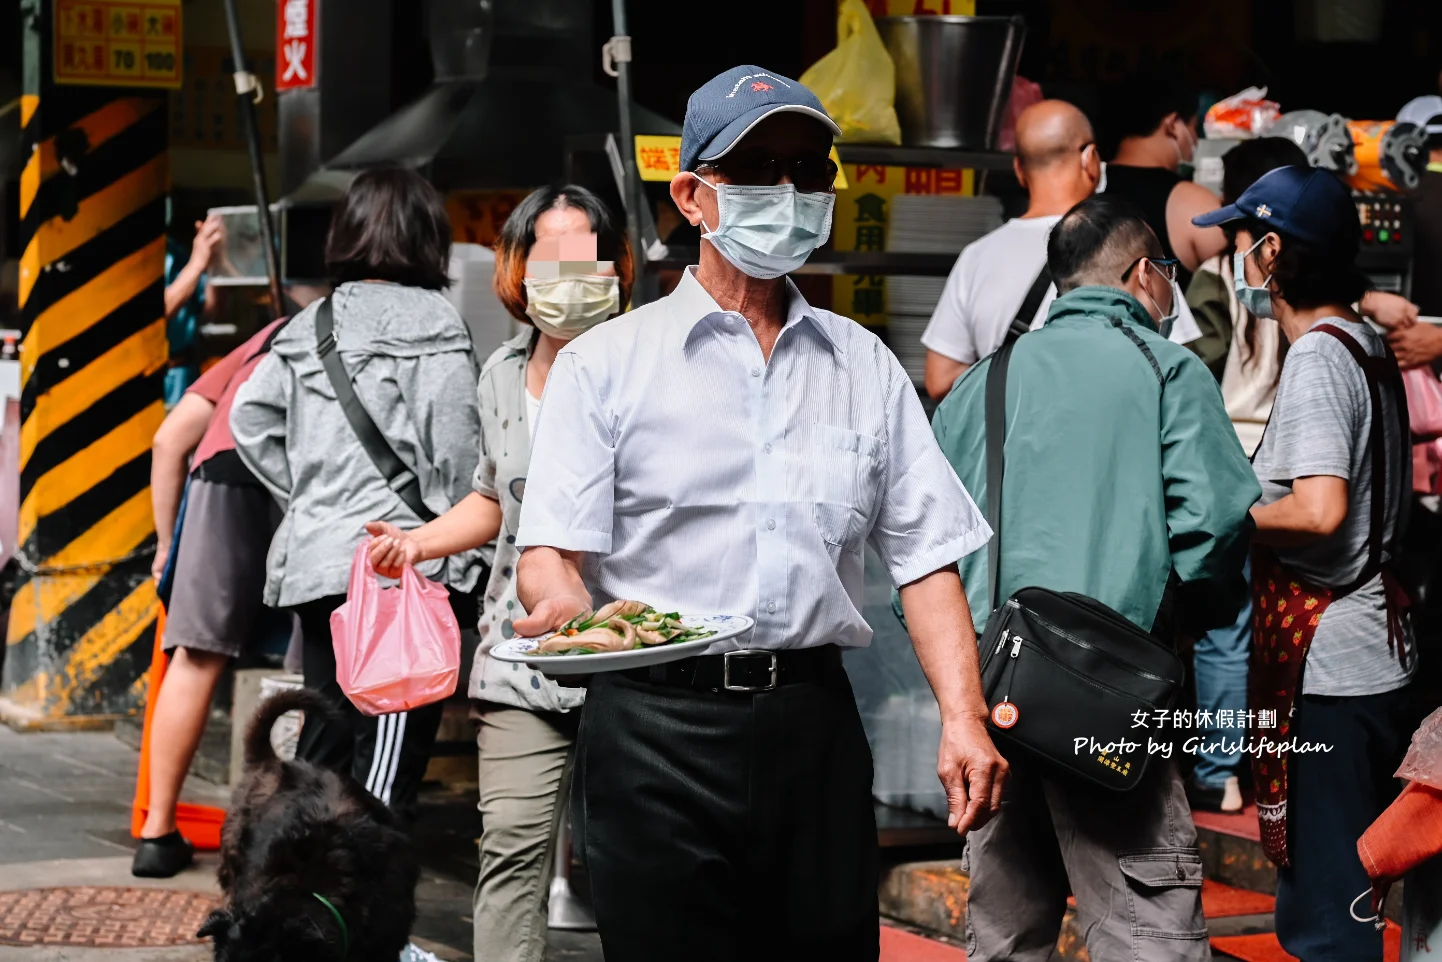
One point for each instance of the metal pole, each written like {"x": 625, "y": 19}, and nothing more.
{"x": 634, "y": 195}
{"x": 247, "y": 92}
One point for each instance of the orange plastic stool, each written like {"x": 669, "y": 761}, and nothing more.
{"x": 198, "y": 823}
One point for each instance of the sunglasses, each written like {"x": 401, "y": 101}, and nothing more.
{"x": 811, "y": 172}
{"x": 1166, "y": 266}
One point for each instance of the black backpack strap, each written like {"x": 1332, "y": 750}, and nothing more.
{"x": 1030, "y": 305}
{"x": 996, "y": 460}
{"x": 401, "y": 479}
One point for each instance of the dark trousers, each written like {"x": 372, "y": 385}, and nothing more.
{"x": 1333, "y": 797}
{"x": 725, "y": 827}
{"x": 388, "y": 754}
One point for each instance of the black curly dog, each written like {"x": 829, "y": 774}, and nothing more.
{"x": 311, "y": 864}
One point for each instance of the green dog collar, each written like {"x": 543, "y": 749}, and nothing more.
{"x": 344, "y": 931}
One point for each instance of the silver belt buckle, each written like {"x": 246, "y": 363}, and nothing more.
{"x": 726, "y": 671}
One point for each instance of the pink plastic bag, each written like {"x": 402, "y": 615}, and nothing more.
{"x": 1424, "y": 402}
{"x": 396, "y": 648}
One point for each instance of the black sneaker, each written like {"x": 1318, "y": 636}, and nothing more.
{"x": 163, "y": 857}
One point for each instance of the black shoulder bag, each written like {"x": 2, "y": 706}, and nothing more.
{"x": 1064, "y": 675}
{"x": 1029, "y": 305}
{"x": 399, "y": 478}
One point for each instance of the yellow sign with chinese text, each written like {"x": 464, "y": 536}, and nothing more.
{"x": 862, "y": 222}
{"x": 658, "y": 158}
{"x": 111, "y": 43}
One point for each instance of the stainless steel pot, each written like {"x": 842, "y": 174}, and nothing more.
{"x": 953, "y": 77}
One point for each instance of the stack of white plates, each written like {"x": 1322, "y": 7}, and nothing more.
{"x": 928, "y": 224}
{"x": 904, "y": 336}
{"x": 913, "y": 295}
{"x": 939, "y": 223}
{"x": 910, "y": 302}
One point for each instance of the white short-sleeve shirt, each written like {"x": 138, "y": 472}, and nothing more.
{"x": 697, "y": 476}
{"x": 986, "y": 288}
{"x": 988, "y": 285}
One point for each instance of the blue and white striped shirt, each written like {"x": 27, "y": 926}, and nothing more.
{"x": 696, "y": 476}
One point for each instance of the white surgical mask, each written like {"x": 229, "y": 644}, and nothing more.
{"x": 766, "y": 232}
{"x": 567, "y": 305}
{"x": 1165, "y": 325}
{"x": 1165, "y": 321}
{"x": 1258, "y": 300}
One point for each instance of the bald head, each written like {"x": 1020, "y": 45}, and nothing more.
{"x": 1050, "y": 132}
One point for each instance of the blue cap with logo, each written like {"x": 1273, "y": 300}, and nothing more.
{"x": 1307, "y": 203}
{"x": 726, "y": 107}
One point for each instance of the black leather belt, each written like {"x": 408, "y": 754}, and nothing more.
{"x": 743, "y": 672}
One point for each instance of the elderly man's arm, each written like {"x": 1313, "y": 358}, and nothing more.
{"x": 548, "y": 582}
{"x": 567, "y": 509}
{"x": 927, "y": 521}
{"x": 972, "y": 771}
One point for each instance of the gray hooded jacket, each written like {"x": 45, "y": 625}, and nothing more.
{"x": 409, "y": 355}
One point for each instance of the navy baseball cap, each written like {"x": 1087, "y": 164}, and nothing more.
{"x": 726, "y": 107}
{"x": 1307, "y": 203}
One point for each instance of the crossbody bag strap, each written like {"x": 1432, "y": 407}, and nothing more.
{"x": 269, "y": 340}
{"x": 399, "y": 478}
{"x": 1378, "y": 441}
{"x": 1136, "y": 339}
{"x": 996, "y": 460}
{"x": 1029, "y": 305}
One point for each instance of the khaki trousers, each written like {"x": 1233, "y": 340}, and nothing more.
{"x": 1130, "y": 859}
{"x": 525, "y": 767}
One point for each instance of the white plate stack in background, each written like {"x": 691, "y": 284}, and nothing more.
{"x": 928, "y": 224}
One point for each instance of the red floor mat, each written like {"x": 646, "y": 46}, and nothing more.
{"x": 1266, "y": 948}
{"x": 1242, "y": 825}
{"x": 1223, "y": 901}
{"x": 901, "y": 946}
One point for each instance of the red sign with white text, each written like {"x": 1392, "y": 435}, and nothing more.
{"x": 295, "y": 40}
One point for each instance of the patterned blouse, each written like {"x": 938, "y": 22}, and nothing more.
{"x": 501, "y": 474}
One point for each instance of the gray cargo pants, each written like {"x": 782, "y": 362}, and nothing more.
{"x": 1130, "y": 858}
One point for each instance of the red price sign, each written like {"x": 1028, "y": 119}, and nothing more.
{"x": 295, "y": 40}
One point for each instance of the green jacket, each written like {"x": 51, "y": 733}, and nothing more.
{"x": 1096, "y": 501}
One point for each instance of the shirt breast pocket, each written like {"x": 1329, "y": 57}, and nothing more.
{"x": 847, "y": 470}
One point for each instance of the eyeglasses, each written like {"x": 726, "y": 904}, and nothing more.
{"x": 810, "y": 172}
{"x": 1166, "y": 266}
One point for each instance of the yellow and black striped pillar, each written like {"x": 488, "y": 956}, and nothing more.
{"x": 93, "y": 356}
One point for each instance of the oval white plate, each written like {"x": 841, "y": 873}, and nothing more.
{"x": 523, "y": 650}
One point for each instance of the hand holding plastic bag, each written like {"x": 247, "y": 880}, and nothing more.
{"x": 856, "y": 82}
{"x": 396, "y": 648}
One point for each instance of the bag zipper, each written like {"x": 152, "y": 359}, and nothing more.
{"x": 1139, "y": 672}
{"x": 1020, "y": 643}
